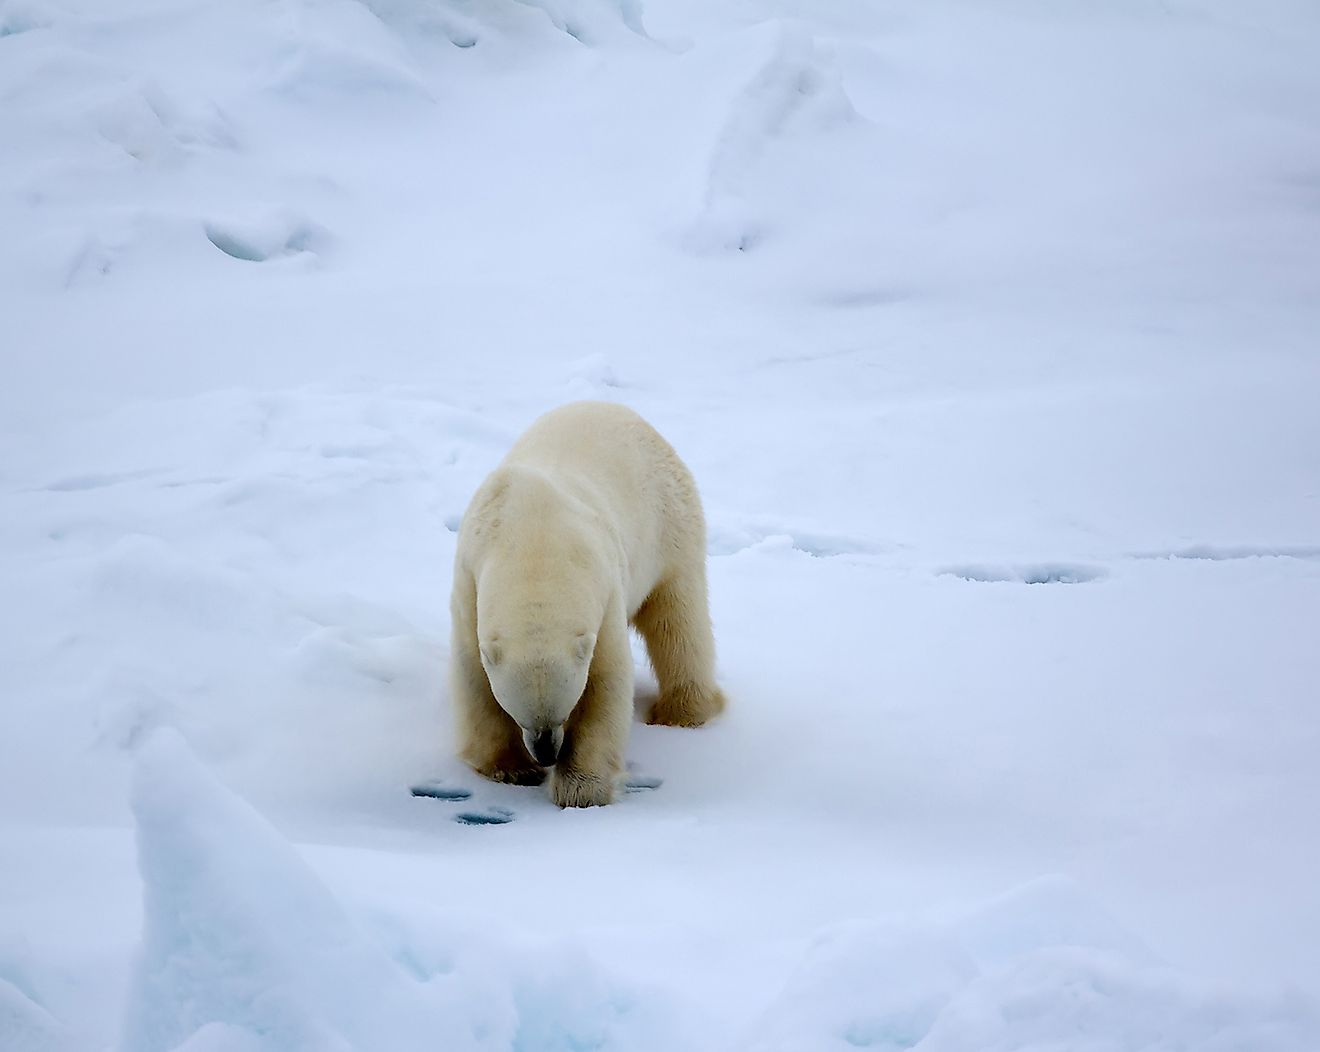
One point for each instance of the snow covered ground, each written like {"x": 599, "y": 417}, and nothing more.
{"x": 992, "y": 335}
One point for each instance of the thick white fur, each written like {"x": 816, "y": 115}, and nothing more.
{"x": 589, "y": 524}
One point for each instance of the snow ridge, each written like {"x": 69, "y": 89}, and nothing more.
{"x": 796, "y": 98}
{"x": 245, "y": 948}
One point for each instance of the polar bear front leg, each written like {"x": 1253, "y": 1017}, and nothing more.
{"x": 489, "y": 740}
{"x": 591, "y": 763}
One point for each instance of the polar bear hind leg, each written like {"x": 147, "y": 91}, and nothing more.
{"x": 675, "y": 623}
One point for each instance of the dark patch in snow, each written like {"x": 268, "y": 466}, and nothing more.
{"x": 215, "y": 480}
{"x": 855, "y": 299}
{"x": 92, "y": 260}
{"x": 1221, "y": 553}
{"x": 438, "y": 790}
{"x": 1039, "y": 573}
{"x": 93, "y": 480}
{"x": 491, "y": 816}
{"x": 882, "y": 1034}
{"x": 259, "y": 245}
{"x": 747, "y": 240}
{"x": 234, "y": 246}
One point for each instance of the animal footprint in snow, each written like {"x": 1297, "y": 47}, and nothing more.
{"x": 490, "y": 816}
{"x": 438, "y": 790}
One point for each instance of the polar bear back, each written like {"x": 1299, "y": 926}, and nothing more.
{"x": 610, "y": 465}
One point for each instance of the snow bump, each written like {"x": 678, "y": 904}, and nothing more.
{"x": 240, "y": 934}
{"x": 795, "y": 99}
{"x": 278, "y": 234}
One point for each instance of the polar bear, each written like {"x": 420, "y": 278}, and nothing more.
{"x": 589, "y": 524}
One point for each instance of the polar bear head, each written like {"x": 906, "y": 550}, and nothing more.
{"x": 537, "y": 639}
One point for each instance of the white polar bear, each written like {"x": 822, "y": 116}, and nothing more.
{"x": 589, "y": 524}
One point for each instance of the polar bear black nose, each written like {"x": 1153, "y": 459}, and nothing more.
{"x": 545, "y": 747}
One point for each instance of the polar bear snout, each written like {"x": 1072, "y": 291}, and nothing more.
{"x": 544, "y": 745}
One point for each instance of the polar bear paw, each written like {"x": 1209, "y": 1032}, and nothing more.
{"x": 513, "y": 773}
{"x": 686, "y": 706}
{"x": 572, "y": 788}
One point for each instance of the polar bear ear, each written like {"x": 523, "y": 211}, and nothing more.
{"x": 585, "y": 645}
{"x": 491, "y": 654}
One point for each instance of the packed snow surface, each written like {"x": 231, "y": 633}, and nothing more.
{"x": 991, "y": 332}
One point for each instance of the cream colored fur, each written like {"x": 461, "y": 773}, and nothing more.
{"x": 589, "y": 524}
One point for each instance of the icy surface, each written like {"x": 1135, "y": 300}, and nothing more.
{"x": 990, "y": 333}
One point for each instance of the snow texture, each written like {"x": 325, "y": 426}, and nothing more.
{"x": 989, "y": 331}
{"x": 244, "y": 948}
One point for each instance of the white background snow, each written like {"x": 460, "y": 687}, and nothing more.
{"x": 991, "y": 332}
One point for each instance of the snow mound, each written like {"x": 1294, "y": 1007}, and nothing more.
{"x": 466, "y": 24}
{"x": 592, "y": 21}
{"x": 1043, "y": 968}
{"x": 153, "y": 127}
{"x": 779, "y": 141}
{"x": 340, "y": 50}
{"x": 593, "y": 377}
{"x": 27, "y": 1027}
{"x": 1048, "y": 912}
{"x": 23, "y": 16}
{"x": 1094, "y": 1001}
{"x": 864, "y": 986}
{"x": 244, "y": 948}
{"x": 273, "y": 234}
{"x": 239, "y": 933}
